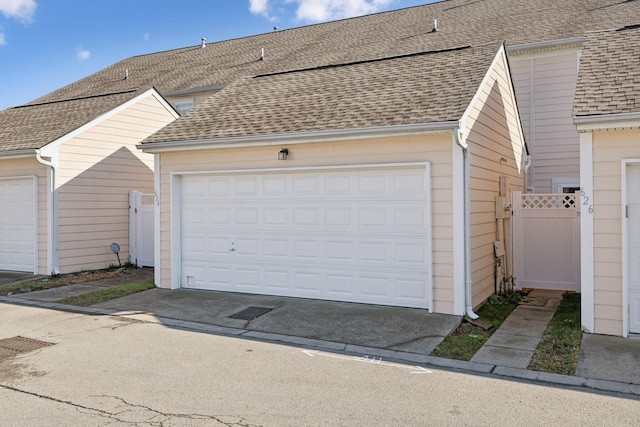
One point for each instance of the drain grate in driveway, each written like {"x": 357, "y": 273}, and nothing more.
{"x": 10, "y": 347}
{"x": 250, "y": 313}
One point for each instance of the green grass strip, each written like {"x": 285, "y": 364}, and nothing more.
{"x": 466, "y": 340}
{"x": 559, "y": 348}
{"x": 108, "y": 294}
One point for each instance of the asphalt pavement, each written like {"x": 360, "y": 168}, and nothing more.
{"x": 390, "y": 333}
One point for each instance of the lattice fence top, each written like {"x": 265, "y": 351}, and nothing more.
{"x": 147, "y": 199}
{"x": 548, "y": 201}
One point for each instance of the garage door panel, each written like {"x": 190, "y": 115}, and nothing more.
{"x": 410, "y": 289}
{"x": 348, "y": 235}
{"x": 248, "y": 247}
{"x": 338, "y": 217}
{"x": 340, "y": 285}
{"x": 410, "y": 217}
{"x": 409, "y": 253}
{"x": 307, "y": 282}
{"x": 338, "y": 184}
{"x": 246, "y": 186}
{"x": 277, "y": 281}
{"x": 18, "y": 224}
{"x": 275, "y": 248}
{"x": 339, "y": 250}
{"x": 275, "y": 216}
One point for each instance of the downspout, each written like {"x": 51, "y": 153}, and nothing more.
{"x": 52, "y": 216}
{"x": 528, "y": 185}
{"x": 462, "y": 142}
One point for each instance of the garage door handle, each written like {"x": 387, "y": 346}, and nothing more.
{"x": 232, "y": 250}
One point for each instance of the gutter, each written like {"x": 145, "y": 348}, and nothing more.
{"x": 52, "y": 217}
{"x": 16, "y": 154}
{"x": 607, "y": 121}
{"x": 462, "y": 142}
{"x": 521, "y": 49}
{"x": 340, "y": 135}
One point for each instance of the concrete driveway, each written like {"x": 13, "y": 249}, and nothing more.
{"x": 9, "y": 277}
{"x": 101, "y": 370}
{"x": 385, "y": 332}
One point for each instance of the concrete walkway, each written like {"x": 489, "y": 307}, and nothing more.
{"x": 513, "y": 344}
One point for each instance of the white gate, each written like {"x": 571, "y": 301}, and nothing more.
{"x": 546, "y": 241}
{"x": 141, "y": 221}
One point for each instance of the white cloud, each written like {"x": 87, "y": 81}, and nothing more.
{"x": 325, "y": 10}
{"x": 21, "y": 10}
{"x": 321, "y": 10}
{"x": 146, "y": 37}
{"x": 3, "y": 41}
{"x": 259, "y": 7}
{"x": 82, "y": 54}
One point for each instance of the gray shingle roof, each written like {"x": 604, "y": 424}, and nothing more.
{"x": 405, "y": 31}
{"x": 609, "y": 77}
{"x": 422, "y": 88}
{"x": 34, "y": 126}
{"x": 373, "y": 37}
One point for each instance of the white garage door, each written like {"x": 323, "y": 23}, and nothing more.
{"x": 17, "y": 224}
{"x": 358, "y": 235}
{"x": 633, "y": 200}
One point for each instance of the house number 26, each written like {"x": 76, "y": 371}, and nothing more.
{"x": 585, "y": 200}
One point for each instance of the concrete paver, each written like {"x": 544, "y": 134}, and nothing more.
{"x": 503, "y": 356}
{"x": 518, "y": 336}
{"x": 515, "y": 341}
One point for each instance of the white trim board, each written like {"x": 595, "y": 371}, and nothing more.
{"x": 587, "y": 286}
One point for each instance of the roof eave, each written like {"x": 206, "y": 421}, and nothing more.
{"x": 607, "y": 121}
{"x": 301, "y": 137}
{"x": 522, "y": 49}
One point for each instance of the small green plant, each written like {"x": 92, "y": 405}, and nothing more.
{"x": 507, "y": 285}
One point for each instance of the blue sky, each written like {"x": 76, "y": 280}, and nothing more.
{"x": 46, "y": 44}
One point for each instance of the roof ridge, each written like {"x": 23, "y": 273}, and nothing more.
{"x": 366, "y": 61}
{"x": 57, "y": 101}
{"x": 317, "y": 24}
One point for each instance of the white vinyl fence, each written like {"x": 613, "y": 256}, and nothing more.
{"x": 546, "y": 241}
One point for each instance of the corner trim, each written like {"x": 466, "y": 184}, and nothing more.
{"x": 587, "y": 286}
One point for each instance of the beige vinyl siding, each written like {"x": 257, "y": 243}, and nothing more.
{"x": 496, "y": 148}
{"x": 545, "y": 87}
{"x": 31, "y": 167}
{"x": 97, "y": 170}
{"x": 434, "y": 149}
{"x": 609, "y": 149}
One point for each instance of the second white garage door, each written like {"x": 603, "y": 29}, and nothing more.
{"x": 357, "y": 235}
{"x": 18, "y": 224}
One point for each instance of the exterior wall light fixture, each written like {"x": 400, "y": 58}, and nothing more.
{"x": 282, "y": 154}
